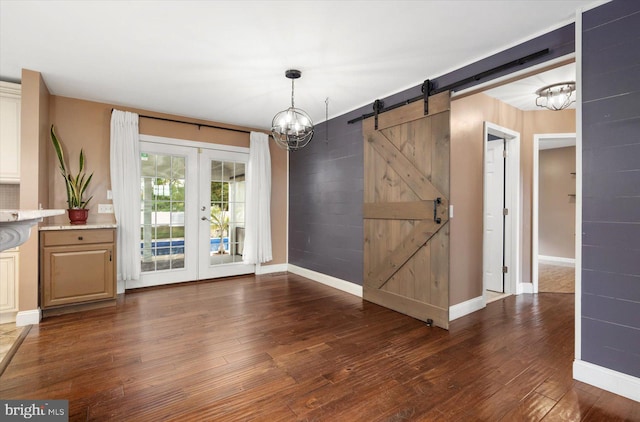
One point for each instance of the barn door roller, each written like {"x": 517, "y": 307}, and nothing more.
{"x": 427, "y": 87}
{"x": 378, "y": 107}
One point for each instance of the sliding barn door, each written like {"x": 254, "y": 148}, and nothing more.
{"x": 406, "y": 210}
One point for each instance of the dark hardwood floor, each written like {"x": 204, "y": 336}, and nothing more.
{"x": 283, "y": 348}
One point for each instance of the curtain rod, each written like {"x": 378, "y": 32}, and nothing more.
{"x": 192, "y": 123}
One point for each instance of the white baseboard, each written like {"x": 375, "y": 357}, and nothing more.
{"x": 465, "y": 308}
{"x": 120, "y": 287}
{"x": 268, "y": 269}
{"x": 30, "y": 317}
{"x": 336, "y": 283}
{"x": 524, "y": 288}
{"x": 607, "y": 379}
{"x": 557, "y": 260}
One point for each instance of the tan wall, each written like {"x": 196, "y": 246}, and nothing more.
{"x": 467, "y": 128}
{"x": 537, "y": 122}
{"x": 557, "y": 216}
{"x": 86, "y": 124}
{"x": 33, "y": 177}
{"x": 468, "y": 115}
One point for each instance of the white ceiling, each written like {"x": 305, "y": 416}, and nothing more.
{"x": 522, "y": 93}
{"x": 225, "y": 60}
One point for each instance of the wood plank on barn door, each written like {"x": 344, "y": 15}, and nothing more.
{"x": 406, "y": 169}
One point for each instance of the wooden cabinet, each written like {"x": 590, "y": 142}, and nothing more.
{"x": 77, "y": 266}
{"x": 8, "y": 285}
{"x": 10, "y": 132}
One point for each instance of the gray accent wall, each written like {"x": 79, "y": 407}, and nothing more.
{"x": 326, "y": 177}
{"x": 325, "y": 202}
{"x": 611, "y": 187}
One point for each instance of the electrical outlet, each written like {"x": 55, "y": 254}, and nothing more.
{"x": 105, "y": 208}
{"x": 109, "y": 194}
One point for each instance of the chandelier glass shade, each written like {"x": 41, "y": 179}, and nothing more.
{"x": 556, "y": 96}
{"x": 292, "y": 129}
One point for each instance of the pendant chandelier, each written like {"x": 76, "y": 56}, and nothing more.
{"x": 556, "y": 96}
{"x": 292, "y": 129}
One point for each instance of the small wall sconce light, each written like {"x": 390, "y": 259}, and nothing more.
{"x": 556, "y": 96}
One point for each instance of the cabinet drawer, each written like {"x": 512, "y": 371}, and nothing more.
{"x": 77, "y": 237}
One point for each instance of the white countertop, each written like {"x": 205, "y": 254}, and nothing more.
{"x": 80, "y": 226}
{"x": 21, "y": 215}
{"x": 15, "y": 225}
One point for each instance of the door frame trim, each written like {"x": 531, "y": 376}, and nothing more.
{"x": 535, "y": 201}
{"x": 512, "y": 192}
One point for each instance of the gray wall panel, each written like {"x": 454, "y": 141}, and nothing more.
{"x": 614, "y": 108}
{"x": 615, "y": 82}
{"x": 610, "y": 334}
{"x": 612, "y": 32}
{"x": 613, "y": 210}
{"x": 613, "y": 260}
{"x": 608, "y": 14}
{"x": 616, "y": 133}
{"x": 611, "y": 235}
{"x": 325, "y": 202}
{"x": 612, "y": 310}
{"x": 611, "y": 285}
{"x": 620, "y": 158}
{"x": 611, "y": 184}
{"x": 601, "y": 336}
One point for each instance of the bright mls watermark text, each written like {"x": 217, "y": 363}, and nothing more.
{"x": 34, "y": 410}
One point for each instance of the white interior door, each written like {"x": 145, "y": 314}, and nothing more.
{"x": 494, "y": 218}
{"x": 221, "y": 210}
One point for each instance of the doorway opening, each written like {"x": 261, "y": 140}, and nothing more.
{"x": 501, "y": 213}
{"x": 553, "y": 213}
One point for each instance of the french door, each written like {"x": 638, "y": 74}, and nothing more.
{"x": 221, "y": 210}
{"x": 191, "y": 212}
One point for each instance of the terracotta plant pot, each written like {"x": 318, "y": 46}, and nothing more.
{"x": 78, "y": 216}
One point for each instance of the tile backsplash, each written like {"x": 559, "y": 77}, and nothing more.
{"x": 9, "y": 196}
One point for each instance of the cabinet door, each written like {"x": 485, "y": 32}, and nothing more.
{"x": 8, "y": 283}
{"x": 9, "y": 138}
{"x": 80, "y": 273}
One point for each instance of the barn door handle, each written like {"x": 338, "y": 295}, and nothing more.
{"x": 437, "y": 219}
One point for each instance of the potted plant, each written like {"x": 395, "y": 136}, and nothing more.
{"x": 76, "y": 185}
{"x": 221, "y": 220}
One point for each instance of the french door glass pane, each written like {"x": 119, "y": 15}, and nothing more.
{"x": 162, "y": 212}
{"x": 227, "y": 212}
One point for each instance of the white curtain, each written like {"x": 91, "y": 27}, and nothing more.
{"x": 257, "y": 242}
{"x": 125, "y": 186}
